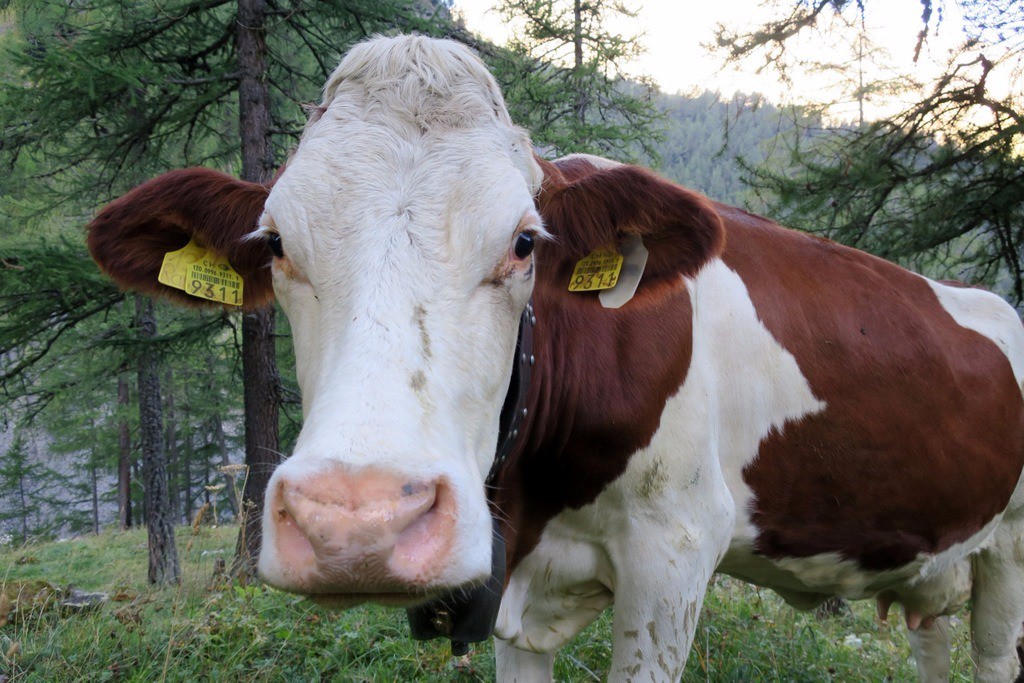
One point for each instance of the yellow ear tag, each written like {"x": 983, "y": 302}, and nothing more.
{"x": 202, "y": 274}
{"x": 598, "y": 270}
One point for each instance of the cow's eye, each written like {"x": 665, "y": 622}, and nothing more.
{"x": 274, "y": 240}
{"x": 524, "y": 245}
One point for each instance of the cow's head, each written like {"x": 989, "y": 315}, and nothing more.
{"x": 401, "y": 231}
{"x": 399, "y": 243}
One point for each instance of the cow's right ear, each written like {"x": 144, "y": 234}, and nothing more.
{"x": 588, "y": 207}
{"x": 130, "y": 236}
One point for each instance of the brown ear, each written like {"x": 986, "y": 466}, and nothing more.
{"x": 131, "y": 235}
{"x": 589, "y": 208}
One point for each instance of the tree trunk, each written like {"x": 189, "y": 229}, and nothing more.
{"x": 186, "y": 472}
{"x": 139, "y": 511}
{"x": 577, "y": 39}
{"x": 171, "y": 446}
{"x": 259, "y": 368}
{"x": 94, "y": 480}
{"x": 261, "y": 446}
{"x": 163, "y": 554}
{"x": 222, "y": 448}
{"x": 206, "y": 481}
{"x": 23, "y": 508}
{"x": 220, "y": 440}
{"x": 577, "y": 35}
{"x": 124, "y": 457}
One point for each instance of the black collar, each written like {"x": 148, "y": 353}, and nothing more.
{"x": 467, "y": 615}
{"x": 513, "y": 411}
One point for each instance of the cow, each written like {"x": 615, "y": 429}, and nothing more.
{"x": 755, "y": 401}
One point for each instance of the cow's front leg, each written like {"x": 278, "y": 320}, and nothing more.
{"x": 659, "y": 592}
{"x": 653, "y": 628}
{"x": 520, "y": 666}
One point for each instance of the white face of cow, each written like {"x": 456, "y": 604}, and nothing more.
{"x": 399, "y": 217}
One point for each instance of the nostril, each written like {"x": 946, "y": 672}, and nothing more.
{"x": 427, "y": 536}
{"x": 412, "y": 488}
{"x": 293, "y": 543}
{"x": 417, "y": 498}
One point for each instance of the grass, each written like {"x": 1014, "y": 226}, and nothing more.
{"x": 208, "y": 630}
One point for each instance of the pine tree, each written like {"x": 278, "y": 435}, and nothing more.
{"x": 565, "y": 81}
{"x": 939, "y": 185}
{"x": 23, "y": 486}
{"x": 82, "y": 427}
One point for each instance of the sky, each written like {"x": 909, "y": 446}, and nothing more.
{"x": 674, "y": 31}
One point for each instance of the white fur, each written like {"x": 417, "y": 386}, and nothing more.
{"x": 596, "y": 161}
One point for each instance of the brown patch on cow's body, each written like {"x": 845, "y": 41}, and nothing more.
{"x": 597, "y": 404}
{"x": 131, "y": 235}
{"x": 602, "y": 375}
{"x": 920, "y": 444}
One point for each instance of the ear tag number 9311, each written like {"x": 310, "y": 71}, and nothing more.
{"x": 202, "y": 274}
{"x": 598, "y": 270}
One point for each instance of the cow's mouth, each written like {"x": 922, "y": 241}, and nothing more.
{"x": 401, "y": 598}
{"x": 349, "y": 600}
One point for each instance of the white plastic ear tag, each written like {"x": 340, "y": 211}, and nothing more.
{"x": 634, "y": 260}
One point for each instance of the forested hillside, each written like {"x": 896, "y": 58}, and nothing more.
{"x": 706, "y": 135}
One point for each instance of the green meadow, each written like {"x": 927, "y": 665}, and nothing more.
{"x": 209, "y": 629}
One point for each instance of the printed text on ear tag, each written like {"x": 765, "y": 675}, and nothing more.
{"x": 598, "y": 270}
{"x": 202, "y": 274}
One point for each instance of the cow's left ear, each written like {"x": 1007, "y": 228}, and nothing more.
{"x": 130, "y": 236}
{"x": 588, "y": 208}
